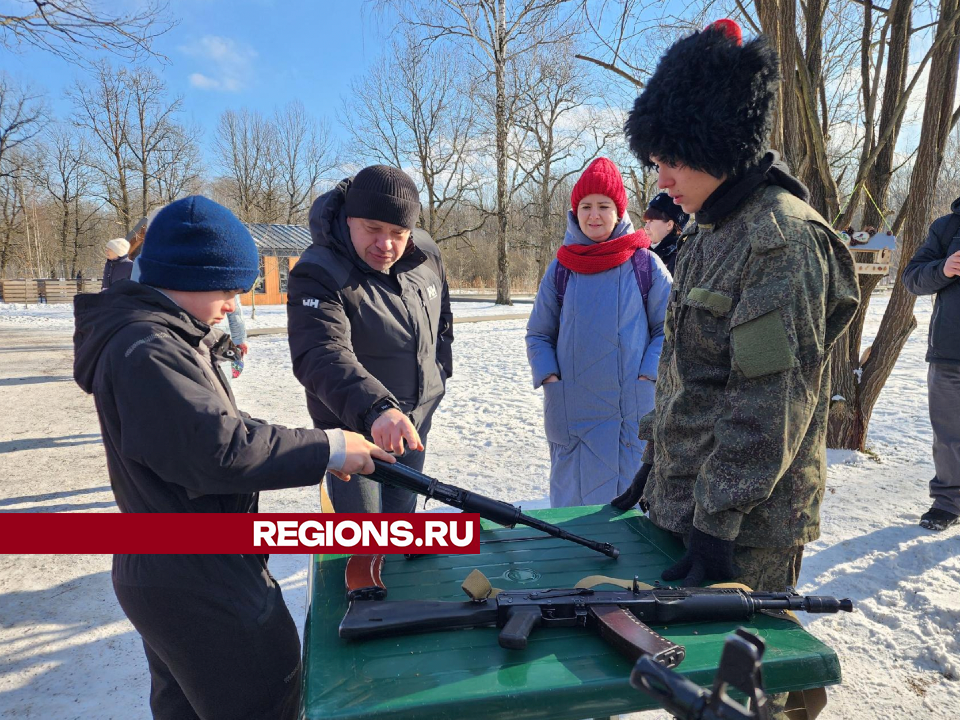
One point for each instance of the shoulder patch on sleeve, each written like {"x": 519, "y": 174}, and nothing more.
{"x": 760, "y": 346}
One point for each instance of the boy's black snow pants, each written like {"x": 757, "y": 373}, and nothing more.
{"x": 210, "y": 659}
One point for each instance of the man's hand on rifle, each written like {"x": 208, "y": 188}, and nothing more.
{"x": 360, "y": 454}
{"x": 707, "y": 558}
{"x": 391, "y": 428}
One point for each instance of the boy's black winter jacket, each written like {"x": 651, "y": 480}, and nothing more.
{"x": 173, "y": 442}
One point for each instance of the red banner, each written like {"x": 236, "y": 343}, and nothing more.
{"x": 268, "y": 533}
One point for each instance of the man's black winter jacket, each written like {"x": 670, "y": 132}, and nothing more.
{"x": 924, "y": 276}
{"x": 359, "y": 337}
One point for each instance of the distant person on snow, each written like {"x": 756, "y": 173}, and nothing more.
{"x": 118, "y": 265}
{"x": 934, "y": 270}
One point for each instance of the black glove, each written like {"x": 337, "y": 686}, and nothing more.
{"x": 707, "y": 558}
{"x": 634, "y": 493}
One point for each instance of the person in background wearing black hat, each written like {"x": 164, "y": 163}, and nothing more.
{"x": 664, "y": 220}
{"x": 370, "y": 326}
{"x": 219, "y": 640}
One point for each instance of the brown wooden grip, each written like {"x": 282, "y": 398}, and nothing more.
{"x": 630, "y": 637}
{"x": 363, "y": 578}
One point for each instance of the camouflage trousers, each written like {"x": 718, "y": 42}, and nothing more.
{"x": 774, "y": 570}
{"x": 768, "y": 569}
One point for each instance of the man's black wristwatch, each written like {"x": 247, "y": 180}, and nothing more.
{"x": 378, "y": 409}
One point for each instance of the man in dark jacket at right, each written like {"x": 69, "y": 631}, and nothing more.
{"x": 370, "y": 326}
{"x": 934, "y": 270}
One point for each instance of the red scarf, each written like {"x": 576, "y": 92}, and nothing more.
{"x": 595, "y": 258}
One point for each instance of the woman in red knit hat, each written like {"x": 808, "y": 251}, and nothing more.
{"x": 593, "y": 342}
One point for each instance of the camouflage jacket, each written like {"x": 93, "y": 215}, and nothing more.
{"x": 739, "y": 426}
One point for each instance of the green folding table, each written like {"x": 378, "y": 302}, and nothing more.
{"x": 564, "y": 672}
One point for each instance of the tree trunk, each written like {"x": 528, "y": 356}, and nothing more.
{"x": 896, "y": 82}
{"x": 503, "y": 262}
{"x": 898, "y": 319}
{"x": 778, "y": 20}
{"x": 546, "y": 236}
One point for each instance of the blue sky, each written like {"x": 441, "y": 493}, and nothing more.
{"x": 228, "y": 54}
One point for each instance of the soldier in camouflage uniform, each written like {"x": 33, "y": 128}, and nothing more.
{"x": 763, "y": 287}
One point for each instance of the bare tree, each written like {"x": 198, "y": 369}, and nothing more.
{"x": 151, "y": 134}
{"x": 102, "y": 108}
{"x": 305, "y": 153}
{"x": 563, "y": 132}
{"x": 22, "y": 113}
{"x": 860, "y": 386}
{"x": 65, "y": 175}
{"x": 66, "y": 27}
{"x": 413, "y": 110}
{"x": 11, "y": 209}
{"x": 243, "y": 143}
{"x": 178, "y": 169}
{"x": 494, "y": 33}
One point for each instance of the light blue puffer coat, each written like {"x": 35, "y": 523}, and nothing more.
{"x": 598, "y": 344}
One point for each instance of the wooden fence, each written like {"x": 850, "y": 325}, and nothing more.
{"x": 50, "y": 291}
{"x": 20, "y": 291}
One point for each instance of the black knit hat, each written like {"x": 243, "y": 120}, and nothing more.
{"x": 664, "y": 203}
{"x": 709, "y": 104}
{"x": 383, "y": 193}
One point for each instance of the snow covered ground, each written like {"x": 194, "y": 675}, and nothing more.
{"x": 60, "y": 317}
{"x": 66, "y": 651}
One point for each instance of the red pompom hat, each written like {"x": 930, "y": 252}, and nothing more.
{"x": 603, "y": 178}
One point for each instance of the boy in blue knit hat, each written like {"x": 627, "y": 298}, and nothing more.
{"x": 219, "y": 640}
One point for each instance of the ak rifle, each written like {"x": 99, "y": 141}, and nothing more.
{"x": 502, "y": 513}
{"x": 621, "y": 617}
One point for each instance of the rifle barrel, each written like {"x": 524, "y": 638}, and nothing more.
{"x": 497, "y": 511}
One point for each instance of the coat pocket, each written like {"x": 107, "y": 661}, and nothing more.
{"x": 555, "y": 413}
{"x": 703, "y": 335}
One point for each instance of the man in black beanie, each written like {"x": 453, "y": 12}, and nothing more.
{"x": 370, "y": 326}
{"x": 762, "y": 289}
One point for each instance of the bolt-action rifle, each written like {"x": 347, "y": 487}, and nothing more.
{"x": 739, "y": 668}
{"x": 502, "y": 513}
{"x": 621, "y": 617}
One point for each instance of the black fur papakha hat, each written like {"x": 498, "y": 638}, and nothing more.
{"x": 709, "y": 104}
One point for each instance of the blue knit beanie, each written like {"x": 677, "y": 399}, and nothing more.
{"x": 195, "y": 245}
